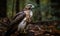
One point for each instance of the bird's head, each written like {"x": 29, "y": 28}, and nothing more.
{"x": 29, "y": 6}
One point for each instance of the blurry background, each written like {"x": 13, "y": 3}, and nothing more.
{"x": 44, "y": 9}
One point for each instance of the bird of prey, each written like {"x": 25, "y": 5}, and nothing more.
{"x": 20, "y": 19}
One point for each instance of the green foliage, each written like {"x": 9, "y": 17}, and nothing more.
{"x": 9, "y": 8}
{"x": 41, "y": 10}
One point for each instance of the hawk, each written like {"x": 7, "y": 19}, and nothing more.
{"x": 20, "y": 19}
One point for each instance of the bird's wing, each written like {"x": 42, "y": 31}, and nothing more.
{"x": 14, "y": 23}
{"x": 19, "y": 13}
{"x": 18, "y": 18}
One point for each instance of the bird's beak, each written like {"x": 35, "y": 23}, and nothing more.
{"x": 32, "y": 6}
